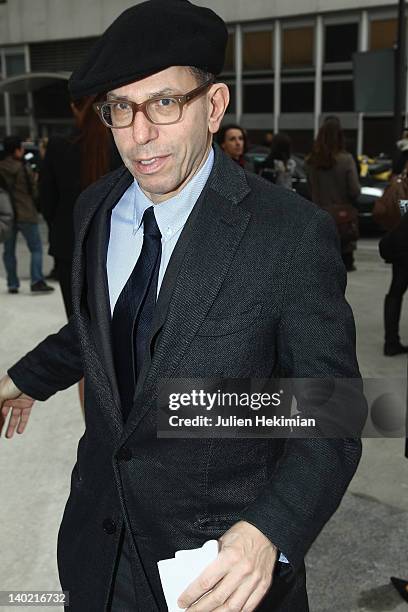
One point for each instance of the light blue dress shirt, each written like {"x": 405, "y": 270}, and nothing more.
{"x": 126, "y": 232}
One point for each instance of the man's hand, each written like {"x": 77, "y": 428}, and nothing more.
{"x": 11, "y": 398}
{"x": 239, "y": 577}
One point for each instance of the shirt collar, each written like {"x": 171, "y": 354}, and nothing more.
{"x": 172, "y": 214}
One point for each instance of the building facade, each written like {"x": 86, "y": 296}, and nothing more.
{"x": 288, "y": 64}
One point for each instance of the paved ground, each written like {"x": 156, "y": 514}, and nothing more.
{"x": 349, "y": 565}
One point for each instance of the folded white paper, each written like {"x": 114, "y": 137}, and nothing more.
{"x": 177, "y": 573}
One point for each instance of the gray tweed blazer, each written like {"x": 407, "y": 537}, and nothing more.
{"x": 255, "y": 283}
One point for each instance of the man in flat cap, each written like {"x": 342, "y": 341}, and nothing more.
{"x": 187, "y": 267}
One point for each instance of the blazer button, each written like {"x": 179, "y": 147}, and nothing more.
{"x": 124, "y": 454}
{"x": 109, "y": 526}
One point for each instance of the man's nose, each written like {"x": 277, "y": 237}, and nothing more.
{"x": 143, "y": 130}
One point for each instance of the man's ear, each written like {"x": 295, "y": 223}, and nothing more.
{"x": 219, "y": 98}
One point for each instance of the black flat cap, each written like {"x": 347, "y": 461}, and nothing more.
{"x": 150, "y": 37}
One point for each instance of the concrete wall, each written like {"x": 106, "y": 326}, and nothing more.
{"x": 39, "y": 20}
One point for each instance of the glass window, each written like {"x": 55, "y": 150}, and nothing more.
{"x": 341, "y": 41}
{"x": 378, "y": 136}
{"x": 258, "y": 50}
{"x": 297, "y": 97}
{"x": 258, "y": 98}
{"x": 383, "y": 34}
{"x": 15, "y": 64}
{"x": 302, "y": 142}
{"x": 298, "y": 47}
{"x": 338, "y": 96}
{"x": 229, "y": 63}
{"x": 60, "y": 55}
{"x": 18, "y": 105}
{"x": 21, "y": 130}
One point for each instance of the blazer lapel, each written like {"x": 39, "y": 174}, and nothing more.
{"x": 97, "y": 280}
{"x": 195, "y": 273}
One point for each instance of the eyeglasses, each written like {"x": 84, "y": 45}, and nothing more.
{"x": 120, "y": 113}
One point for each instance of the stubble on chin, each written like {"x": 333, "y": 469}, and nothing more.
{"x": 156, "y": 188}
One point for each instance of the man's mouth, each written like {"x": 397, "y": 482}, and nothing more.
{"x": 150, "y": 165}
{"x": 147, "y": 162}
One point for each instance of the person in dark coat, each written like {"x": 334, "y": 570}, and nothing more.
{"x": 186, "y": 266}
{"x": 279, "y": 167}
{"x": 396, "y": 254}
{"x": 333, "y": 179}
{"x": 400, "y": 160}
{"x": 6, "y": 215}
{"x": 394, "y": 249}
{"x": 69, "y": 166}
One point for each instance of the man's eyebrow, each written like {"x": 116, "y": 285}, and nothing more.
{"x": 162, "y": 92}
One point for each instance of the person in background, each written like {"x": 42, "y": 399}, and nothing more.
{"x": 233, "y": 141}
{"x": 335, "y": 185}
{"x": 42, "y": 149}
{"x": 401, "y": 585}
{"x": 22, "y": 189}
{"x": 6, "y": 215}
{"x": 279, "y": 167}
{"x": 69, "y": 166}
{"x": 268, "y": 139}
{"x": 400, "y": 161}
{"x": 394, "y": 249}
{"x": 264, "y": 146}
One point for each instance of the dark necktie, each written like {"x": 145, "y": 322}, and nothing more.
{"x": 133, "y": 313}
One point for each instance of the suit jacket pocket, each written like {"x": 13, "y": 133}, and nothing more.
{"x": 230, "y": 325}
{"x": 217, "y": 523}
